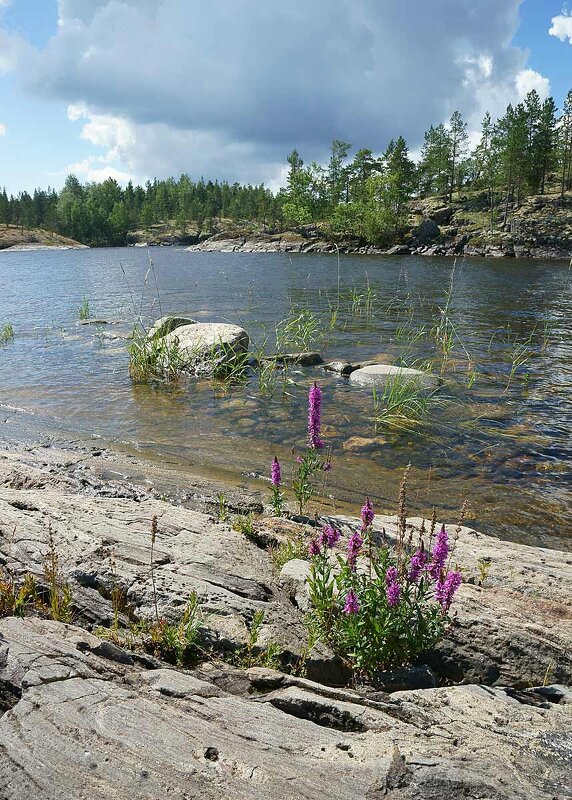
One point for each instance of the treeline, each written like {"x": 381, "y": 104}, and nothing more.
{"x": 103, "y": 213}
{"x": 527, "y": 151}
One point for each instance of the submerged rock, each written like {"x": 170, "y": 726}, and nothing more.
{"x": 378, "y": 375}
{"x": 340, "y": 367}
{"x": 306, "y": 359}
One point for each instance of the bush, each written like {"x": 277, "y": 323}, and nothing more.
{"x": 380, "y": 607}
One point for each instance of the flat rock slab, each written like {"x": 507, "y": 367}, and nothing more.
{"x": 78, "y": 725}
{"x": 379, "y": 375}
{"x": 514, "y": 630}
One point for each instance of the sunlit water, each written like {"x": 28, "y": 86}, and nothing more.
{"x": 503, "y": 446}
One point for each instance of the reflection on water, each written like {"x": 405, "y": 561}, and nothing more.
{"x": 501, "y": 442}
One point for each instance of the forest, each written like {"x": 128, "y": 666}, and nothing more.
{"x": 527, "y": 151}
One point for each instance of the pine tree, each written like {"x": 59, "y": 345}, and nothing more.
{"x": 457, "y": 148}
{"x": 565, "y": 145}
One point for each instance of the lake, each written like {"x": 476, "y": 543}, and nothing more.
{"x": 501, "y": 439}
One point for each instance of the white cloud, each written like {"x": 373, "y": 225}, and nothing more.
{"x": 527, "y": 80}
{"x": 5, "y": 3}
{"x": 12, "y": 50}
{"x": 2, "y": 130}
{"x": 89, "y": 170}
{"x": 562, "y": 27}
{"x": 228, "y": 89}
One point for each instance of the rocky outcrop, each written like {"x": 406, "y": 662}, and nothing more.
{"x": 514, "y": 630}
{"x": 15, "y": 238}
{"x": 84, "y": 719}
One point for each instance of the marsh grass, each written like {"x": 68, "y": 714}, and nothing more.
{"x": 153, "y": 359}
{"x": 6, "y": 334}
{"x": 84, "y": 311}
{"x": 404, "y": 405}
{"x": 301, "y": 329}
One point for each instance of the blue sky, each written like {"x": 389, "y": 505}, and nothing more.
{"x": 144, "y": 88}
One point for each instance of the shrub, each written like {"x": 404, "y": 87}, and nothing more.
{"x": 6, "y": 334}
{"x": 379, "y": 607}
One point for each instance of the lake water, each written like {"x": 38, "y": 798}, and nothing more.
{"x": 502, "y": 444}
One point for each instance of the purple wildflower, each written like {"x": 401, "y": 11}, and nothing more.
{"x": 314, "y": 548}
{"x": 445, "y": 589}
{"x": 393, "y": 590}
{"x": 329, "y": 536}
{"x": 352, "y": 604}
{"x": 354, "y": 546}
{"x": 416, "y": 565}
{"x": 367, "y": 514}
{"x": 327, "y": 466}
{"x": 275, "y": 473}
{"x": 315, "y": 417}
{"x": 439, "y": 553}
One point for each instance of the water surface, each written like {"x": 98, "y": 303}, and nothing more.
{"x": 502, "y": 444}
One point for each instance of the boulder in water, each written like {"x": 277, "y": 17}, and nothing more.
{"x": 379, "y": 375}
{"x": 204, "y": 346}
{"x": 167, "y": 325}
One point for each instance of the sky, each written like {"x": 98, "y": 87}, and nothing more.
{"x": 136, "y": 89}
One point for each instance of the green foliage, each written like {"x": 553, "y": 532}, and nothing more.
{"x": 244, "y": 523}
{"x": 378, "y": 636}
{"x": 6, "y": 334}
{"x": 303, "y": 485}
{"x": 404, "y": 405}
{"x": 83, "y": 311}
{"x": 154, "y": 359}
{"x": 254, "y": 655}
{"x": 18, "y": 598}
{"x": 59, "y": 592}
{"x": 528, "y": 149}
{"x": 173, "y": 642}
{"x": 222, "y": 501}
{"x": 288, "y": 551}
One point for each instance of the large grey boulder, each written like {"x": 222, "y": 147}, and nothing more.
{"x": 379, "y": 375}
{"x": 202, "y": 346}
{"x": 167, "y": 325}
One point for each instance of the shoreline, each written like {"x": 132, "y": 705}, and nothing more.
{"x": 503, "y": 670}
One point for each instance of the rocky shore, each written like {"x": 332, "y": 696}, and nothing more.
{"x": 540, "y": 228}
{"x": 488, "y": 714}
{"x": 13, "y": 237}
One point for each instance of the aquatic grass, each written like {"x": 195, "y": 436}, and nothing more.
{"x": 404, "y": 405}
{"x": 83, "y": 311}
{"x": 155, "y": 359}
{"x": 300, "y": 329}
{"x": 6, "y": 334}
{"x": 519, "y": 355}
